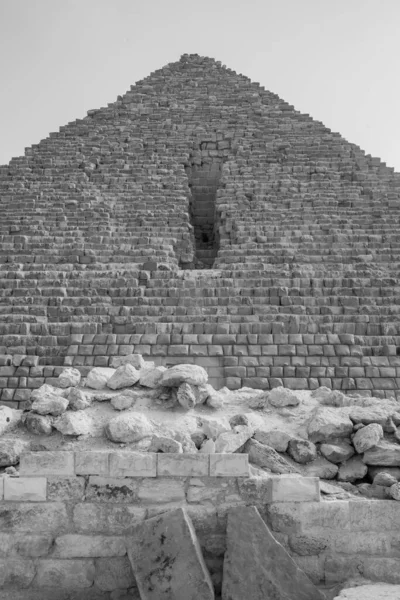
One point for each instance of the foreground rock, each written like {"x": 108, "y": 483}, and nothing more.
{"x": 167, "y": 561}
{"x": 38, "y": 424}
{"x": 129, "y": 427}
{"x": 373, "y": 591}
{"x": 98, "y": 377}
{"x": 328, "y": 424}
{"x": 281, "y": 396}
{"x": 124, "y": 376}
{"x": 151, "y": 376}
{"x": 49, "y": 403}
{"x": 74, "y": 423}
{"x": 11, "y": 450}
{"x": 256, "y": 566}
{"x": 367, "y": 437}
{"x": 383, "y": 454}
{"x": 193, "y": 374}
{"x": 267, "y": 457}
{"x": 69, "y": 378}
{"x": 9, "y": 418}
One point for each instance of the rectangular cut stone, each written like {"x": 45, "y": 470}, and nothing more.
{"x": 111, "y": 489}
{"x": 25, "y": 489}
{"x": 33, "y": 517}
{"x": 229, "y": 465}
{"x": 256, "y": 566}
{"x": 71, "y": 574}
{"x": 47, "y": 463}
{"x": 74, "y": 545}
{"x": 294, "y": 489}
{"x": 133, "y": 464}
{"x": 167, "y": 561}
{"x": 162, "y": 490}
{"x": 91, "y": 463}
{"x": 110, "y": 519}
{"x": 181, "y": 465}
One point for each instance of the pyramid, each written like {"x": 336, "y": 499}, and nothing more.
{"x": 201, "y": 219}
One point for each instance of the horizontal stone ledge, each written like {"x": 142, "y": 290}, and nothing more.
{"x": 132, "y": 464}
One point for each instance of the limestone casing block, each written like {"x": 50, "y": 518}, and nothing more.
{"x": 47, "y": 463}
{"x": 25, "y": 489}
{"x": 167, "y": 561}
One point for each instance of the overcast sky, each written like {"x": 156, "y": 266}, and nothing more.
{"x": 334, "y": 59}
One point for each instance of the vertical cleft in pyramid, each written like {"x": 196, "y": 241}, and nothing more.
{"x": 200, "y": 218}
{"x": 204, "y": 174}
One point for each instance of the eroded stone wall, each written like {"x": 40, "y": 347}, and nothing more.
{"x": 64, "y": 520}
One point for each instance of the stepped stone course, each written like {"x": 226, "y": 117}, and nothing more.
{"x": 200, "y": 218}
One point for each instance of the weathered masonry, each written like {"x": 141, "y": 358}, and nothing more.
{"x": 201, "y": 218}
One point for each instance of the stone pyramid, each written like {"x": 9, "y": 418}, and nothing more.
{"x": 200, "y": 218}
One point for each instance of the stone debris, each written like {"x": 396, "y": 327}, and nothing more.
{"x": 178, "y": 374}
{"x": 78, "y": 399}
{"x": 164, "y": 444}
{"x": 11, "y": 450}
{"x": 302, "y": 451}
{"x": 265, "y": 456}
{"x": 167, "y": 560}
{"x": 353, "y": 469}
{"x": 124, "y": 400}
{"x": 367, "y": 437}
{"x": 125, "y": 376}
{"x": 129, "y": 427}
{"x": 50, "y": 404}
{"x": 371, "y": 591}
{"x": 280, "y": 396}
{"x": 69, "y": 378}
{"x": 327, "y": 424}
{"x": 186, "y": 396}
{"x": 98, "y": 377}
{"x": 38, "y": 424}
{"x": 74, "y": 423}
{"x": 151, "y": 376}
{"x": 256, "y": 566}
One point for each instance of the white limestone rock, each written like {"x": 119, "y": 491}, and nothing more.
{"x": 129, "y": 427}
{"x": 329, "y": 423}
{"x": 69, "y": 378}
{"x": 78, "y": 399}
{"x": 281, "y": 396}
{"x": 337, "y": 452}
{"x": 352, "y": 469}
{"x": 11, "y": 450}
{"x": 207, "y": 447}
{"x": 267, "y": 457}
{"x": 151, "y": 376}
{"x": 74, "y": 423}
{"x": 193, "y": 374}
{"x": 124, "y": 376}
{"x": 48, "y": 390}
{"x": 39, "y": 424}
{"x": 124, "y": 400}
{"x": 98, "y": 377}
{"x": 384, "y": 454}
{"x": 367, "y": 437}
{"x": 136, "y": 360}
{"x": 394, "y": 491}
{"x": 186, "y": 396}
{"x": 302, "y": 451}
{"x": 213, "y": 428}
{"x": 230, "y": 441}
{"x": 215, "y": 399}
{"x": 50, "y": 404}
{"x": 371, "y": 591}
{"x": 9, "y": 418}
{"x": 161, "y": 443}
{"x": 277, "y": 439}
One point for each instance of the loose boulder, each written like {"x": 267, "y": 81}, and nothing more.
{"x": 78, "y": 400}
{"x": 384, "y": 454}
{"x": 230, "y": 441}
{"x": 367, "y": 437}
{"x": 11, "y": 450}
{"x": 161, "y": 443}
{"x": 302, "y": 451}
{"x": 337, "y": 452}
{"x": 136, "y": 360}
{"x": 256, "y": 566}
{"x": 167, "y": 561}
{"x": 38, "y": 424}
{"x": 9, "y": 418}
{"x": 193, "y": 374}
{"x": 74, "y": 423}
{"x": 186, "y": 396}
{"x": 267, "y": 457}
{"x": 69, "y": 378}
{"x": 124, "y": 400}
{"x": 151, "y": 376}
{"x": 277, "y": 439}
{"x": 281, "y": 396}
{"x": 352, "y": 469}
{"x": 50, "y": 404}
{"x": 329, "y": 423}
{"x": 124, "y": 376}
{"x": 128, "y": 427}
{"x": 98, "y": 377}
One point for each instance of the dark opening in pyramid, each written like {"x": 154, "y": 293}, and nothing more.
{"x": 200, "y": 218}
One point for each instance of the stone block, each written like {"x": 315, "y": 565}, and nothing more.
{"x": 294, "y": 489}
{"x": 111, "y": 489}
{"x": 91, "y": 463}
{"x": 74, "y": 545}
{"x": 70, "y": 574}
{"x": 229, "y": 465}
{"x": 109, "y": 519}
{"x": 65, "y": 489}
{"x": 133, "y": 464}
{"x": 181, "y": 465}
{"x": 167, "y": 560}
{"x": 47, "y": 463}
{"x": 16, "y": 573}
{"x": 33, "y": 517}
{"x": 162, "y": 490}
{"x": 25, "y": 489}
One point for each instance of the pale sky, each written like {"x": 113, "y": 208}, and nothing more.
{"x": 334, "y": 59}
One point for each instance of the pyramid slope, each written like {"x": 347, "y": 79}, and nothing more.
{"x": 198, "y": 206}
